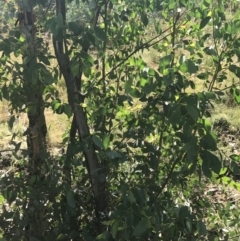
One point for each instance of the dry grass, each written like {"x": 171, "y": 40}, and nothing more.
{"x": 230, "y": 114}
{"x": 56, "y": 125}
{"x": 4, "y": 132}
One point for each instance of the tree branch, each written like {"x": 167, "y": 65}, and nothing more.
{"x": 170, "y": 173}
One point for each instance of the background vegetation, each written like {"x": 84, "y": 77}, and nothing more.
{"x": 119, "y": 120}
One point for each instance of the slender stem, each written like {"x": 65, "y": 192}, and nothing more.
{"x": 161, "y": 136}
{"x": 182, "y": 156}
{"x": 141, "y": 47}
{"x": 114, "y": 102}
{"x": 173, "y": 35}
{"x": 105, "y": 18}
{"x": 104, "y": 50}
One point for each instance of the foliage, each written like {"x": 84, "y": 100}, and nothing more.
{"x": 80, "y": 13}
{"x": 149, "y": 126}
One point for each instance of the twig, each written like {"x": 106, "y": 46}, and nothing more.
{"x": 6, "y": 150}
{"x": 143, "y": 46}
{"x": 170, "y": 173}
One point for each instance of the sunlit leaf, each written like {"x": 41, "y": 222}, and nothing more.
{"x": 204, "y": 22}
{"x": 106, "y": 141}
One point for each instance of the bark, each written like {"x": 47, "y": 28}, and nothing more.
{"x": 36, "y": 137}
{"x": 80, "y": 117}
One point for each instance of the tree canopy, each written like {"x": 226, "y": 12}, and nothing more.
{"x": 136, "y": 84}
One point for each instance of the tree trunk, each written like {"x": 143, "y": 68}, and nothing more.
{"x": 82, "y": 127}
{"x": 36, "y": 134}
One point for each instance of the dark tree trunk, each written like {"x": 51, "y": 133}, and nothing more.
{"x": 36, "y": 134}
{"x": 80, "y": 119}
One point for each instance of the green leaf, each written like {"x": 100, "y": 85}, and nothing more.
{"x": 5, "y": 92}
{"x": 1, "y": 199}
{"x": 44, "y": 59}
{"x": 46, "y": 75}
{"x": 166, "y": 60}
{"x": 97, "y": 141}
{"x": 204, "y": 22}
{"x": 106, "y": 142}
{"x": 202, "y": 76}
{"x": 226, "y": 180}
{"x": 147, "y": 85}
{"x": 70, "y": 199}
{"x": 75, "y": 69}
{"x": 17, "y": 146}
{"x": 67, "y": 110}
{"x": 62, "y": 237}
{"x": 201, "y": 228}
{"x": 21, "y": 39}
{"x": 235, "y": 157}
{"x": 11, "y": 121}
{"x": 141, "y": 227}
{"x": 188, "y": 225}
{"x": 75, "y": 28}
{"x": 183, "y": 67}
{"x": 184, "y": 213}
{"x": 193, "y": 111}
{"x": 32, "y": 179}
{"x": 124, "y": 18}
{"x": 131, "y": 197}
{"x": 114, "y": 154}
{"x": 237, "y": 99}
{"x": 212, "y": 161}
{"x": 192, "y": 149}
{"x": 100, "y": 33}
{"x": 87, "y": 57}
{"x": 234, "y": 167}
{"x": 235, "y": 69}
{"x": 135, "y": 93}
{"x": 188, "y": 66}
{"x": 187, "y": 131}
{"x": 206, "y": 170}
{"x": 203, "y": 39}
{"x": 108, "y": 223}
{"x": 103, "y": 236}
{"x": 144, "y": 19}
{"x": 56, "y": 106}
{"x": 210, "y": 95}
{"x": 210, "y": 51}
{"x": 207, "y": 124}
{"x": 115, "y": 229}
{"x": 60, "y": 20}
{"x": 175, "y": 116}
{"x": 209, "y": 142}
